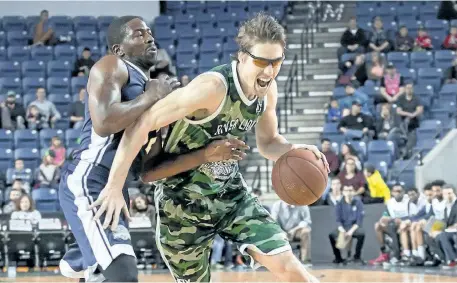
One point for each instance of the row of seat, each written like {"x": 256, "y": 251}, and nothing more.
{"x": 37, "y": 69}
{"x": 46, "y": 199}
{"x": 46, "y": 53}
{"x": 54, "y": 85}
{"x": 36, "y": 139}
{"x": 32, "y": 157}
{"x": 396, "y": 8}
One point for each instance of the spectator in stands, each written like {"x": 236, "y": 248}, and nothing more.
{"x": 392, "y": 223}
{"x": 185, "y": 80}
{"x": 48, "y": 174}
{"x": 334, "y": 111}
{"x": 77, "y": 111}
{"x": 13, "y": 114}
{"x": 141, "y": 208}
{"x": 379, "y": 191}
{"x": 352, "y": 40}
{"x": 352, "y": 95}
{"x": 451, "y": 73}
{"x": 221, "y": 247}
{"x": 47, "y": 109}
{"x": 349, "y": 218}
{"x": 375, "y": 69}
{"x": 348, "y": 152}
{"x": 392, "y": 86}
{"x": 36, "y": 121}
{"x": 19, "y": 184}
{"x": 25, "y": 210}
{"x": 83, "y": 64}
{"x": 59, "y": 150}
{"x": 378, "y": 40}
{"x": 13, "y": 196}
{"x": 386, "y": 125}
{"x": 450, "y": 42}
{"x": 164, "y": 63}
{"x": 296, "y": 222}
{"x": 335, "y": 194}
{"x": 43, "y": 33}
{"x": 404, "y": 42}
{"x": 330, "y": 155}
{"x": 423, "y": 40}
{"x": 446, "y": 238}
{"x": 352, "y": 177}
{"x": 352, "y": 71}
{"x": 409, "y": 108}
{"x": 357, "y": 125}
{"x": 20, "y": 172}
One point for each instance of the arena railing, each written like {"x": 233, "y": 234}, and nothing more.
{"x": 290, "y": 87}
{"x": 310, "y": 26}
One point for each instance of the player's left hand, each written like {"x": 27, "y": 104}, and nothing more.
{"x": 316, "y": 151}
{"x": 112, "y": 202}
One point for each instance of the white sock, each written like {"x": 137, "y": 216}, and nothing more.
{"x": 421, "y": 251}
{"x": 407, "y": 253}
{"x": 415, "y": 253}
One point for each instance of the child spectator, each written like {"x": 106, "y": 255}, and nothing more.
{"x": 334, "y": 112}
{"x": 450, "y": 42}
{"x": 35, "y": 120}
{"x": 48, "y": 174}
{"x": 379, "y": 191}
{"x": 423, "y": 40}
{"x": 404, "y": 42}
{"x": 59, "y": 150}
{"x": 25, "y": 210}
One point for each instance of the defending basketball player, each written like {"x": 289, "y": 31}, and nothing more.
{"x": 212, "y": 199}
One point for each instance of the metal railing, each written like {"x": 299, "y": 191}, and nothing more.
{"x": 310, "y": 26}
{"x": 259, "y": 175}
{"x": 290, "y": 87}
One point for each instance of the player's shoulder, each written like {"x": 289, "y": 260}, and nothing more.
{"x": 110, "y": 64}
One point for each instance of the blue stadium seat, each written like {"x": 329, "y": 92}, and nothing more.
{"x": 431, "y": 76}
{"x": 58, "y": 85}
{"x": 226, "y": 58}
{"x": 61, "y": 23}
{"x": 85, "y": 23}
{"x": 171, "y": 49}
{"x": 19, "y": 54}
{"x": 210, "y": 46}
{"x": 28, "y": 98}
{"x": 42, "y": 53}
{"x": 65, "y": 53}
{"x": 102, "y": 38}
{"x": 6, "y": 158}
{"x": 31, "y": 84}
{"x": 72, "y": 138}
{"x": 331, "y": 132}
{"x": 188, "y": 69}
{"x": 421, "y": 59}
{"x": 14, "y": 23}
{"x": 212, "y": 33}
{"x": 46, "y": 199}
{"x": 230, "y": 46}
{"x": 3, "y": 39}
{"x": 382, "y": 150}
{"x": 183, "y": 21}
{"x": 436, "y": 25}
{"x": 403, "y": 171}
{"x": 163, "y": 21}
{"x": 68, "y": 36}
{"x": 62, "y": 103}
{"x": 94, "y": 50}
{"x": 35, "y": 69}
{"x": 405, "y": 11}
{"x": 26, "y": 139}
{"x": 194, "y": 7}
{"x": 46, "y": 136}
{"x": 207, "y": 63}
{"x": 399, "y": 59}
{"x": 186, "y": 47}
{"x": 409, "y": 75}
{"x": 18, "y": 38}
{"x": 277, "y": 8}
{"x": 104, "y": 22}
{"x": 3, "y": 54}
{"x": 175, "y": 7}
{"x": 204, "y": 21}
{"x": 425, "y": 93}
{"x": 6, "y": 139}
{"x": 7, "y": 84}
{"x": 448, "y": 93}
{"x": 188, "y": 33}
{"x": 31, "y": 22}
{"x": 340, "y": 92}
{"x": 59, "y": 68}
{"x": 78, "y": 83}
{"x": 256, "y": 6}
{"x": 428, "y": 11}
{"x": 62, "y": 124}
{"x": 425, "y": 146}
{"x": 437, "y": 38}
{"x": 185, "y": 59}
{"x": 444, "y": 58}
{"x": 164, "y": 36}
{"x": 442, "y": 114}
{"x": 360, "y": 147}
{"x": 215, "y": 7}
{"x": 10, "y": 69}
{"x": 87, "y": 38}
{"x": 371, "y": 91}
{"x": 429, "y": 129}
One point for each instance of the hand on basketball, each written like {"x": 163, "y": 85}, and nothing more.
{"x": 112, "y": 202}
{"x": 228, "y": 149}
{"x": 317, "y": 152}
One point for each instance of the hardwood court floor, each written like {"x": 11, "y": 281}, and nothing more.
{"x": 324, "y": 275}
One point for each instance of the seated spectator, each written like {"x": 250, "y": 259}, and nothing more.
{"x": 43, "y": 33}
{"x": 141, "y": 208}
{"x": 59, "y": 150}
{"x": 221, "y": 247}
{"x": 349, "y": 218}
{"x": 409, "y": 108}
{"x": 20, "y": 172}
{"x": 19, "y": 184}
{"x": 357, "y": 125}
{"x": 378, "y": 40}
{"x": 392, "y": 86}
{"x": 379, "y": 191}
{"x": 185, "y": 80}
{"x": 36, "y": 121}
{"x": 352, "y": 177}
{"x": 446, "y": 239}
{"x": 375, "y": 69}
{"x": 352, "y": 95}
{"x": 386, "y": 126}
{"x": 334, "y": 112}
{"x": 348, "y": 152}
{"x": 423, "y": 40}
{"x": 47, "y": 109}
{"x": 25, "y": 210}
{"x": 330, "y": 155}
{"x": 296, "y": 222}
{"x": 353, "y": 71}
{"x": 13, "y": 196}
{"x": 352, "y": 40}
{"x": 450, "y": 42}
{"x": 13, "y": 114}
{"x": 48, "y": 174}
{"x": 164, "y": 62}
{"x": 451, "y": 73}
{"x": 77, "y": 112}
{"x": 335, "y": 194}
{"x": 404, "y": 42}
{"x": 83, "y": 64}
{"x": 416, "y": 199}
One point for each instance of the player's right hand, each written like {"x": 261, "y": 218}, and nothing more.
{"x": 162, "y": 86}
{"x": 228, "y": 149}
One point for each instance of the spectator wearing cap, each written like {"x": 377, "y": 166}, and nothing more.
{"x": 352, "y": 40}
{"x": 83, "y": 64}
{"x": 78, "y": 111}
{"x": 378, "y": 40}
{"x": 13, "y": 114}
{"x": 357, "y": 125}
{"x": 450, "y": 42}
{"x": 423, "y": 40}
{"x": 392, "y": 86}
{"x": 47, "y": 109}
{"x": 48, "y": 174}
{"x": 352, "y": 94}
{"x": 404, "y": 42}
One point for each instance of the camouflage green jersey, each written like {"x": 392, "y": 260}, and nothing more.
{"x": 195, "y": 206}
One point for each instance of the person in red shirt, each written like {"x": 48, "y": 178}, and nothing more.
{"x": 450, "y": 42}
{"x": 423, "y": 40}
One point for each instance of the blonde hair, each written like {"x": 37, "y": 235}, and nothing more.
{"x": 262, "y": 28}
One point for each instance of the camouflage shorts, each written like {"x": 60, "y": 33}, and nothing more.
{"x": 185, "y": 231}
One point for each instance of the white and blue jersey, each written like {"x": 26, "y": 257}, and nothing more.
{"x": 81, "y": 183}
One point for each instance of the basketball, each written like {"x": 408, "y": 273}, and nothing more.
{"x": 299, "y": 178}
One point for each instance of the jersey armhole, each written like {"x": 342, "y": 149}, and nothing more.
{"x": 219, "y": 109}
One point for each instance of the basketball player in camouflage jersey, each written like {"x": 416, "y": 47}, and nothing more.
{"x": 194, "y": 206}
